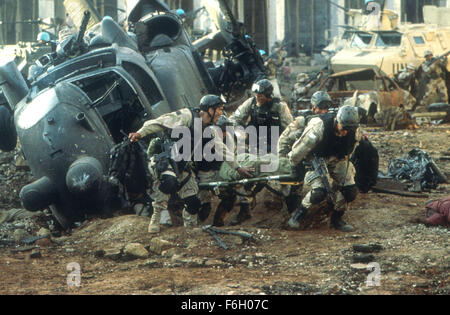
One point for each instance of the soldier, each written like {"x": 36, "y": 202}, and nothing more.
{"x": 406, "y": 79}
{"x": 43, "y": 39}
{"x": 169, "y": 177}
{"x": 229, "y": 195}
{"x": 207, "y": 172}
{"x": 333, "y": 138}
{"x": 433, "y": 74}
{"x": 304, "y": 85}
{"x": 300, "y": 89}
{"x": 320, "y": 103}
{"x": 263, "y": 110}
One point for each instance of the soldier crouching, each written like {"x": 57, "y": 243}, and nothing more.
{"x": 171, "y": 177}
{"x": 332, "y": 138}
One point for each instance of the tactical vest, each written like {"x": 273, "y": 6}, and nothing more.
{"x": 167, "y": 135}
{"x": 202, "y": 165}
{"x": 331, "y": 144}
{"x": 266, "y": 115}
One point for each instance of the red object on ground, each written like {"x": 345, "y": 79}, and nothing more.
{"x": 438, "y": 212}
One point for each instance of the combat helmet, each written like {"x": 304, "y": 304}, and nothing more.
{"x": 223, "y": 122}
{"x": 211, "y": 101}
{"x": 411, "y": 67}
{"x": 43, "y": 36}
{"x": 321, "y": 99}
{"x": 263, "y": 86}
{"x": 348, "y": 117}
{"x": 427, "y": 53}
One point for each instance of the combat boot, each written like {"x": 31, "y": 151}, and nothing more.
{"x": 337, "y": 223}
{"x": 243, "y": 215}
{"x": 220, "y": 214}
{"x": 153, "y": 227}
{"x": 292, "y": 203}
{"x": 298, "y": 217}
{"x": 189, "y": 220}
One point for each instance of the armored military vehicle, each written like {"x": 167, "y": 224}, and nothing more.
{"x": 391, "y": 49}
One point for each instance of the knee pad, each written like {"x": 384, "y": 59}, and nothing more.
{"x": 193, "y": 204}
{"x": 350, "y": 193}
{"x": 318, "y": 195}
{"x": 169, "y": 184}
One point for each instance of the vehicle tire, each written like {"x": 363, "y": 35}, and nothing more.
{"x": 8, "y": 139}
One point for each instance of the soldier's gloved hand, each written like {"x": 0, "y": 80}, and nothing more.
{"x": 134, "y": 137}
{"x": 246, "y": 172}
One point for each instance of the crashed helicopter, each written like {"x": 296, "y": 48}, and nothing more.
{"x": 97, "y": 87}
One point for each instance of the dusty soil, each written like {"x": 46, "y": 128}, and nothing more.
{"x": 414, "y": 258}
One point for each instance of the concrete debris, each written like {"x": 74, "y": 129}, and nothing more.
{"x": 135, "y": 250}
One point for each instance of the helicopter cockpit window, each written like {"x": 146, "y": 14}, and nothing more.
{"x": 361, "y": 40}
{"x": 388, "y": 39}
{"x": 34, "y": 111}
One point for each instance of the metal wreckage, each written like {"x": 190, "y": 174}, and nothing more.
{"x": 81, "y": 100}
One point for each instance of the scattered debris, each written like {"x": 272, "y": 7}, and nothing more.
{"x": 214, "y": 231}
{"x": 369, "y": 248}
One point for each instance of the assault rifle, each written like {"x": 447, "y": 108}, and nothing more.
{"x": 319, "y": 165}
{"x": 440, "y": 57}
{"x": 316, "y": 75}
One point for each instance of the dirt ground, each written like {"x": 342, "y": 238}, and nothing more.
{"x": 414, "y": 259}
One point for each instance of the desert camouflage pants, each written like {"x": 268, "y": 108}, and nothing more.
{"x": 160, "y": 200}
{"x": 341, "y": 173}
{"x": 205, "y": 195}
{"x": 436, "y": 91}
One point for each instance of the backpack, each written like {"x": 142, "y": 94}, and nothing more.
{"x": 366, "y": 162}
{"x": 128, "y": 170}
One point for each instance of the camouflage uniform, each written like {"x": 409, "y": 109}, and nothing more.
{"x": 278, "y": 113}
{"x": 290, "y": 135}
{"x": 435, "y": 87}
{"x": 183, "y": 117}
{"x": 321, "y": 139}
{"x": 406, "y": 79}
{"x": 301, "y": 89}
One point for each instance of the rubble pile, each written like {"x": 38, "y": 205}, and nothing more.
{"x": 13, "y": 176}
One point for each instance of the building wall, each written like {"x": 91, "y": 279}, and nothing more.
{"x": 276, "y": 21}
